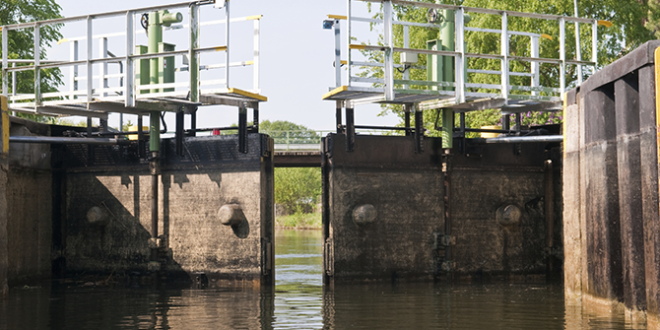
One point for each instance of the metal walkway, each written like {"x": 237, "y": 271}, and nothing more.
{"x": 460, "y": 94}
{"x": 92, "y": 90}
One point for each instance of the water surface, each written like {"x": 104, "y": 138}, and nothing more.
{"x": 299, "y": 302}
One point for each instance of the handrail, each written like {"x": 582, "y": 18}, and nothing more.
{"x": 97, "y": 83}
{"x": 389, "y": 85}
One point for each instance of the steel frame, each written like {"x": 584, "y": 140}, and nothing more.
{"x": 125, "y": 98}
{"x": 461, "y": 98}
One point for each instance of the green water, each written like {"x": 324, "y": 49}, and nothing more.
{"x": 299, "y": 302}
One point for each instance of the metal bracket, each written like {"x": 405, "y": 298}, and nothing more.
{"x": 242, "y": 130}
{"x": 350, "y": 130}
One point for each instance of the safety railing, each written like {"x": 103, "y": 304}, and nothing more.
{"x": 461, "y": 88}
{"x": 124, "y": 85}
{"x": 308, "y": 140}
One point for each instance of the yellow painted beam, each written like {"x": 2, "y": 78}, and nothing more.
{"x": 254, "y": 18}
{"x": 340, "y": 17}
{"x": 357, "y": 46}
{"x": 605, "y": 23}
{"x": 247, "y": 94}
{"x": 335, "y": 92}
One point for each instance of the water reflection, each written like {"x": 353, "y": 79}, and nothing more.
{"x": 300, "y": 302}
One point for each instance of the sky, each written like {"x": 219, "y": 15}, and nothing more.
{"x": 297, "y": 58}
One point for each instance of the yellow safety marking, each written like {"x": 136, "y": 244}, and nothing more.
{"x": 5, "y": 124}
{"x": 63, "y": 40}
{"x": 547, "y": 36}
{"x": 220, "y": 49}
{"x": 254, "y": 18}
{"x": 338, "y": 17}
{"x": 564, "y": 123}
{"x": 343, "y": 62}
{"x": 357, "y": 46}
{"x": 656, "y": 58}
{"x": 335, "y": 92}
{"x": 605, "y": 23}
{"x": 247, "y": 94}
{"x": 249, "y": 62}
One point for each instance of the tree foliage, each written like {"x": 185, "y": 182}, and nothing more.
{"x": 21, "y": 42}
{"x": 298, "y": 190}
{"x": 286, "y": 132}
{"x": 626, "y": 33}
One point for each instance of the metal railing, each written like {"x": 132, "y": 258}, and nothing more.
{"x": 457, "y": 92}
{"x": 308, "y": 140}
{"x": 127, "y": 90}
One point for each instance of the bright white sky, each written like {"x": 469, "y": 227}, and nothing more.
{"x": 297, "y": 58}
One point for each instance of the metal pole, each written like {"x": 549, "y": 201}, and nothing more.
{"x": 337, "y": 30}
{"x": 256, "y": 64}
{"x": 338, "y": 117}
{"x": 562, "y": 56}
{"x": 578, "y": 47}
{"x": 5, "y": 62}
{"x": 549, "y": 209}
{"x": 90, "y": 70}
{"x": 193, "y": 57}
{"x": 505, "y": 57}
{"x": 526, "y": 139}
{"x": 536, "y": 82}
{"x": 129, "y": 92}
{"x": 227, "y": 43}
{"x": 37, "y": 71}
{"x": 389, "y": 54}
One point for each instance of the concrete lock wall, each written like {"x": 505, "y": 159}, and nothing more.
{"x": 611, "y": 228}
{"x": 194, "y": 244}
{"x": 384, "y": 210}
{"x": 25, "y": 205}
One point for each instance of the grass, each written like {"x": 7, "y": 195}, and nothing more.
{"x": 300, "y": 221}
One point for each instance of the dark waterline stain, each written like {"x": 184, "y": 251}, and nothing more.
{"x": 300, "y": 302}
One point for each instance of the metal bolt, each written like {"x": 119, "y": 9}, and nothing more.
{"x": 364, "y": 214}
{"x": 231, "y": 214}
{"x": 97, "y": 216}
{"x": 508, "y": 215}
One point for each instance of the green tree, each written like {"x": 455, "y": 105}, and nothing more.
{"x": 626, "y": 33}
{"x": 298, "y": 190}
{"x": 286, "y": 132}
{"x": 21, "y": 42}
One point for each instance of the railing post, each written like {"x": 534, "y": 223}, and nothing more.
{"x": 406, "y": 44}
{"x": 90, "y": 70}
{"x": 5, "y": 63}
{"x": 389, "y": 44}
{"x": 37, "y": 71}
{"x": 73, "y": 70}
{"x": 594, "y": 44}
{"x": 255, "y": 60}
{"x": 337, "y": 30}
{"x": 129, "y": 79}
{"x": 562, "y": 56}
{"x": 348, "y": 42}
{"x": 505, "y": 57}
{"x": 578, "y": 50}
{"x": 535, "y": 65}
{"x": 227, "y": 44}
{"x": 461, "y": 64}
{"x": 193, "y": 67}
{"x": 103, "y": 80}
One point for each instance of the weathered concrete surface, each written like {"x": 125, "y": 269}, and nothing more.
{"x": 192, "y": 190}
{"x": 485, "y": 181}
{"x": 649, "y": 187}
{"x": 29, "y": 211}
{"x": 403, "y": 187}
{"x": 571, "y": 199}
{"x": 405, "y": 240}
